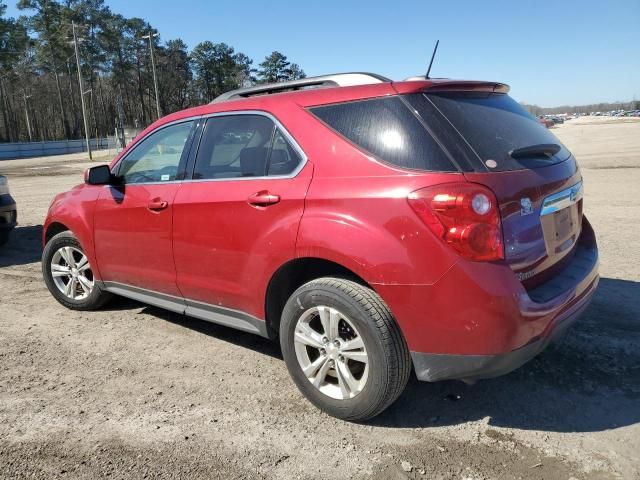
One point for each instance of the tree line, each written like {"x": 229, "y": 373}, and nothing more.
{"x": 39, "y": 87}
{"x": 595, "y": 107}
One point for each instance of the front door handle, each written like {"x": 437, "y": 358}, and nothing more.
{"x": 157, "y": 205}
{"x": 263, "y": 198}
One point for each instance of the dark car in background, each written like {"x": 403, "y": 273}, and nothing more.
{"x": 8, "y": 211}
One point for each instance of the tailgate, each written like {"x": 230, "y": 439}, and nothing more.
{"x": 541, "y": 213}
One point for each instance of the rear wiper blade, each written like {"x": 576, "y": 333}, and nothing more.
{"x": 535, "y": 150}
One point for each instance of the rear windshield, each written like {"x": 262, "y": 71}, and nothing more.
{"x": 387, "y": 129}
{"x": 494, "y": 125}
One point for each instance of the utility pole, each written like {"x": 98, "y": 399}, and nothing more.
{"x": 84, "y": 113}
{"x": 26, "y": 113}
{"x": 153, "y": 67}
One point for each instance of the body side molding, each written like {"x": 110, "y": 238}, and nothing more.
{"x": 203, "y": 311}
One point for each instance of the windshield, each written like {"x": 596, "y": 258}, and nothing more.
{"x": 495, "y": 125}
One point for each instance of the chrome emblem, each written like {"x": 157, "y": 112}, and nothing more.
{"x": 526, "y": 207}
{"x": 573, "y": 195}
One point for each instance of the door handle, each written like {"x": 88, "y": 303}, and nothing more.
{"x": 263, "y": 198}
{"x": 157, "y": 205}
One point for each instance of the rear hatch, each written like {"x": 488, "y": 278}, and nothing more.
{"x": 536, "y": 180}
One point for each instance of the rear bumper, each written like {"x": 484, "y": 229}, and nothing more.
{"x": 8, "y": 213}
{"x": 434, "y": 367}
{"x": 479, "y": 321}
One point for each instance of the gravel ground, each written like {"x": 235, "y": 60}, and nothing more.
{"x": 137, "y": 392}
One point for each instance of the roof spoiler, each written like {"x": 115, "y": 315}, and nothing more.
{"x": 490, "y": 87}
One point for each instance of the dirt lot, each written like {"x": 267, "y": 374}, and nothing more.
{"x": 137, "y": 392}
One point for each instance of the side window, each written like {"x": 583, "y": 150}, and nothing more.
{"x": 284, "y": 159}
{"x": 388, "y": 130}
{"x": 157, "y": 157}
{"x": 234, "y": 146}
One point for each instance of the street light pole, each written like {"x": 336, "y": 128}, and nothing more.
{"x": 84, "y": 113}
{"x": 26, "y": 113}
{"x": 153, "y": 67}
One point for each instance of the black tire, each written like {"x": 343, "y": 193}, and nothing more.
{"x": 4, "y": 236}
{"x": 96, "y": 299}
{"x": 388, "y": 355}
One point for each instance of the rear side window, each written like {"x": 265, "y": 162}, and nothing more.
{"x": 248, "y": 145}
{"x": 234, "y": 146}
{"x": 387, "y": 129}
{"x": 494, "y": 125}
{"x": 283, "y": 159}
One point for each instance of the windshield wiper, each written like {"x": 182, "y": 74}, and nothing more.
{"x": 548, "y": 149}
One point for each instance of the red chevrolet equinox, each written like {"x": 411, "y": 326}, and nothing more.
{"x": 374, "y": 227}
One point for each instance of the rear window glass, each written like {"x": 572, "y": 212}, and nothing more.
{"x": 387, "y": 129}
{"x": 494, "y": 125}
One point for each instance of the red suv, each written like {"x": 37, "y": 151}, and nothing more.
{"x": 374, "y": 227}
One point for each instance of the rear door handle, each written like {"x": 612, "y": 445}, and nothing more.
{"x": 263, "y": 198}
{"x": 157, "y": 205}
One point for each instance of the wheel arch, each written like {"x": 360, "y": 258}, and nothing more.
{"x": 293, "y": 274}
{"x": 51, "y": 230}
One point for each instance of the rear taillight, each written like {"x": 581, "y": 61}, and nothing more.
{"x": 464, "y": 215}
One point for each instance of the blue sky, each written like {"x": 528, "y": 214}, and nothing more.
{"x": 550, "y": 52}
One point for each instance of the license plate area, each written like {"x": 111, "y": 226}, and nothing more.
{"x": 561, "y": 230}
{"x": 561, "y": 219}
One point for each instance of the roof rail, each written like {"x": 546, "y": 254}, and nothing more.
{"x": 334, "y": 80}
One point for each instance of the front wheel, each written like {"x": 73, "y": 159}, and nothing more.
{"x": 69, "y": 275}
{"x": 343, "y": 348}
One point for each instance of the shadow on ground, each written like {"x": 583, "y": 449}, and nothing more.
{"x": 24, "y": 246}
{"x": 227, "y": 334}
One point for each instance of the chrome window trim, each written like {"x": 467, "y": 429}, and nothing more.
{"x": 137, "y": 145}
{"x": 562, "y": 199}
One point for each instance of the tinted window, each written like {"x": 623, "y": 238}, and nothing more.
{"x": 284, "y": 159}
{"x": 157, "y": 157}
{"x": 494, "y": 125}
{"x": 387, "y": 129}
{"x": 234, "y": 146}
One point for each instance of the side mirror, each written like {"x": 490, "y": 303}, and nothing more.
{"x": 99, "y": 175}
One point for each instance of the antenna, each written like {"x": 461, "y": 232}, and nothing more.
{"x": 433, "y": 55}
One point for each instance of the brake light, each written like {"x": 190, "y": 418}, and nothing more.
{"x": 464, "y": 215}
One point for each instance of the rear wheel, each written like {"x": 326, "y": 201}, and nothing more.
{"x": 343, "y": 348}
{"x": 69, "y": 275}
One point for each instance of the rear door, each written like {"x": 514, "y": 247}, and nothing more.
{"x": 535, "y": 178}
{"x": 236, "y": 221}
{"x": 133, "y": 220}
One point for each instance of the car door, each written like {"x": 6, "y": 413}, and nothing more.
{"x": 133, "y": 218}
{"x": 236, "y": 221}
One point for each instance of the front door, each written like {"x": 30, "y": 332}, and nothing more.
{"x": 133, "y": 220}
{"x": 237, "y": 221}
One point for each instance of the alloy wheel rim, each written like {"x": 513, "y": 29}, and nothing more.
{"x": 71, "y": 273}
{"x": 331, "y": 352}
